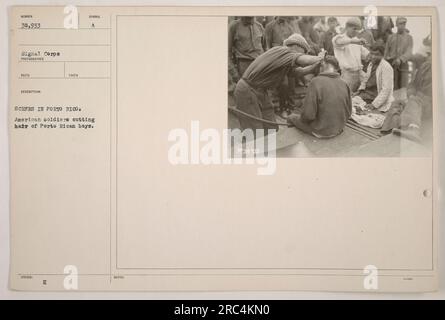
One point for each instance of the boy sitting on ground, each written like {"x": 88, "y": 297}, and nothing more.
{"x": 327, "y": 105}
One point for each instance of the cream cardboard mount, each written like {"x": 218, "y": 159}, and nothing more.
{"x": 100, "y": 100}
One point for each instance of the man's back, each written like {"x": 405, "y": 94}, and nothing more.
{"x": 327, "y": 105}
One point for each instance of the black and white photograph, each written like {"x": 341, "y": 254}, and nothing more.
{"x": 333, "y": 86}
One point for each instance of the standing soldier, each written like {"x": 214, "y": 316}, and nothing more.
{"x": 399, "y": 48}
{"x": 309, "y": 33}
{"x": 326, "y": 37}
{"x": 246, "y": 38}
{"x": 277, "y": 31}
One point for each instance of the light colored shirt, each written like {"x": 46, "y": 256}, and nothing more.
{"x": 349, "y": 55}
{"x": 385, "y": 85}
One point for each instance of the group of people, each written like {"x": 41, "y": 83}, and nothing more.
{"x": 334, "y": 65}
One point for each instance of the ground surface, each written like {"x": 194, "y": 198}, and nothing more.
{"x": 292, "y": 142}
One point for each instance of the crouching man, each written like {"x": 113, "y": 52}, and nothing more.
{"x": 327, "y": 105}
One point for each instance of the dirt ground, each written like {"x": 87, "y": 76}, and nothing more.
{"x": 292, "y": 142}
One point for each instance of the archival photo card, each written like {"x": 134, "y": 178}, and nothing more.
{"x": 223, "y": 148}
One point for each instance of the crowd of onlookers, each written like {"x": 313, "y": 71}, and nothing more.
{"x": 251, "y": 36}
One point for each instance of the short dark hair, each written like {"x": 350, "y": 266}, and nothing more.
{"x": 332, "y": 61}
{"x": 378, "y": 47}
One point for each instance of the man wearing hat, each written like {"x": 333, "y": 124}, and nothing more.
{"x": 350, "y": 53}
{"x": 267, "y": 72}
{"x": 399, "y": 49}
{"x": 327, "y": 105}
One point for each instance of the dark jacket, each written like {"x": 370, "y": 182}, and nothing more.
{"x": 422, "y": 83}
{"x": 327, "y": 105}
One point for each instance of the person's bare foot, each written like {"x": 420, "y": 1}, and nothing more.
{"x": 409, "y": 133}
{"x": 293, "y": 118}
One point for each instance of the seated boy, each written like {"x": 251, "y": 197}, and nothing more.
{"x": 327, "y": 105}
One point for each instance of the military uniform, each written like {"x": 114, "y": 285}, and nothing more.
{"x": 245, "y": 43}
{"x": 399, "y": 46}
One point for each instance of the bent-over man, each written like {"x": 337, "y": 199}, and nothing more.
{"x": 268, "y": 72}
